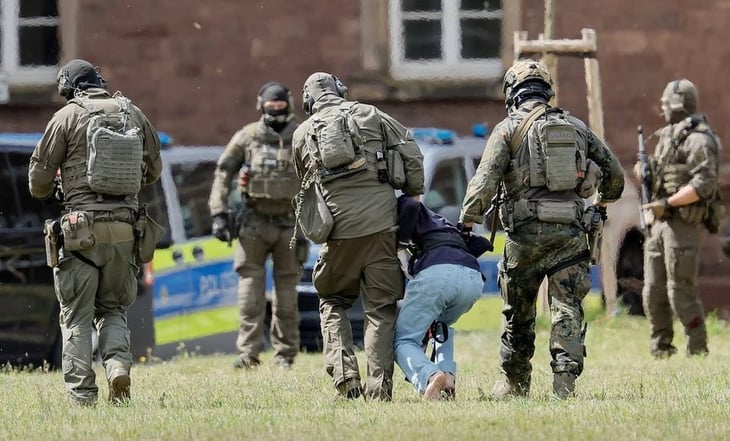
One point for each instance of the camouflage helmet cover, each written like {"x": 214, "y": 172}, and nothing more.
{"x": 522, "y": 71}
{"x": 681, "y": 96}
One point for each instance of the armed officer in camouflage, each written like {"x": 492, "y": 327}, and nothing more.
{"x": 683, "y": 172}
{"x": 261, "y": 152}
{"x": 546, "y": 162}
{"x": 359, "y": 256}
{"x": 96, "y": 274}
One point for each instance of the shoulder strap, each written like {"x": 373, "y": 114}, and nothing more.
{"x": 521, "y": 131}
{"x": 86, "y": 104}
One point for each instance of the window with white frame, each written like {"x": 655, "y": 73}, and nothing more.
{"x": 445, "y": 39}
{"x": 30, "y": 40}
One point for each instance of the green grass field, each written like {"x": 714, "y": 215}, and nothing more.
{"x": 623, "y": 394}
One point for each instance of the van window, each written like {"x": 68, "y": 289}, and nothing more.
{"x": 18, "y": 209}
{"x": 448, "y": 185}
{"x": 193, "y": 182}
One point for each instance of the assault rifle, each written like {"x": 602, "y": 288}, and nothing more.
{"x": 645, "y": 176}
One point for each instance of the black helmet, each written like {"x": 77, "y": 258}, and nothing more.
{"x": 78, "y": 75}
{"x": 318, "y": 85}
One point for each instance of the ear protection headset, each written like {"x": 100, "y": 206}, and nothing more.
{"x": 676, "y": 99}
{"x": 289, "y": 99}
{"x": 308, "y": 100}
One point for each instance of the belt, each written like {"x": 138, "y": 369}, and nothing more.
{"x": 125, "y": 215}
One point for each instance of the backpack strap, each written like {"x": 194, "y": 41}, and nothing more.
{"x": 85, "y": 103}
{"x": 521, "y": 131}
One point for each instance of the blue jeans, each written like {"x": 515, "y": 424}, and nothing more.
{"x": 440, "y": 292}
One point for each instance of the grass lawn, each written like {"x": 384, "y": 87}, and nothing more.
{"x": 623, "y": 394}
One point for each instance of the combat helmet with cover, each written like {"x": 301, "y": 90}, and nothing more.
{"x": 526, "y": 77}
{"x": 680, "y": 99}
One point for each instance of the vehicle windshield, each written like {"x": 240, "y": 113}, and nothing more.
{"x": 18, "y": 209}
{"x": 193, "y": 182}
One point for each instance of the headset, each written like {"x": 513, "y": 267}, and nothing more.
{"x": 289, "y": 97}
{"x": 307, "y": 99}
{"x": 676, "y": 99}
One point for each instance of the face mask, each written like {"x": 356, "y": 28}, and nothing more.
{"x": 276, "y": 119}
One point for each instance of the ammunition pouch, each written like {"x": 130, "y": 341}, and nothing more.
{"x": 76, "y": 230}
{"x": 147, "y": 233}
{"x": 674, "y": 176}
{"x": 589, "y": 184}
{"x": 517, "y": 212}
{"x": 557, "y": 212}
{"x": 714, "y": 216}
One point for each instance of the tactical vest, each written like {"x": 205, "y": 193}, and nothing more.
{"x": 109, "y": 173}
{"x": 272, "y": 172}
{"x": 547, "y": 167}
{"x": 671, "y": 171}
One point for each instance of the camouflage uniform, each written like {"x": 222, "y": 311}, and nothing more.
{"x": 360, "y": 254}
{"x": 93, "y": 296}
{"x": 535, "y": 249}
{"x": 266, "y": 226}
{"x": 686, "y": 155}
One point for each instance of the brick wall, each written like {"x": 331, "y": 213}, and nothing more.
{"x": 195, "y": 67}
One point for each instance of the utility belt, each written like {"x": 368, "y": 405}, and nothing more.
{"x": 73, "y": 231}
{"x": 521, "y": 211}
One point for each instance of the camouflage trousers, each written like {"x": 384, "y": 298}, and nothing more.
{"x": 345, "y": 269}
{"x": 96, "y": 297}
{"x": 533, "y": 252}
{"x": 671, "y": 263}
{"x": 258, "y": 238}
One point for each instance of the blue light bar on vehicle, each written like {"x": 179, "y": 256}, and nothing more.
{"x": 433, "y": 135}
{"x": 480, "y": 130}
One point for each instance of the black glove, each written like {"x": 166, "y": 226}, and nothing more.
{"x": 602, "y": 211}
{"x": 220, "y": 227}
{"x": 464, "y": 231}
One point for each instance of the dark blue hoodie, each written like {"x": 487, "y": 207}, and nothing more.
{"x": 437, "y": 241}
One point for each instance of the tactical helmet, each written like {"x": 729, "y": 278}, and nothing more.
{"x": 680, "y": 97}
{"x": 318, "y": 85}
{"x": 526, "y": 72}
{"x": 78, "y": 75}
{"x": 275, "y": 91}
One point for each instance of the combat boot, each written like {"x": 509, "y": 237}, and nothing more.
{"x": 663, "y": 351}
{"x": 350, "y": 389}
{"x": 246, "y": 362}
{"x": 119, "y": 386}
{"x": 564, "y": 385}
{"x": 284, "y": 362}
{"x": 507, "y": 388}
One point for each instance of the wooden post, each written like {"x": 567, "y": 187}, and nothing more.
{"x": 549, "y": 59}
